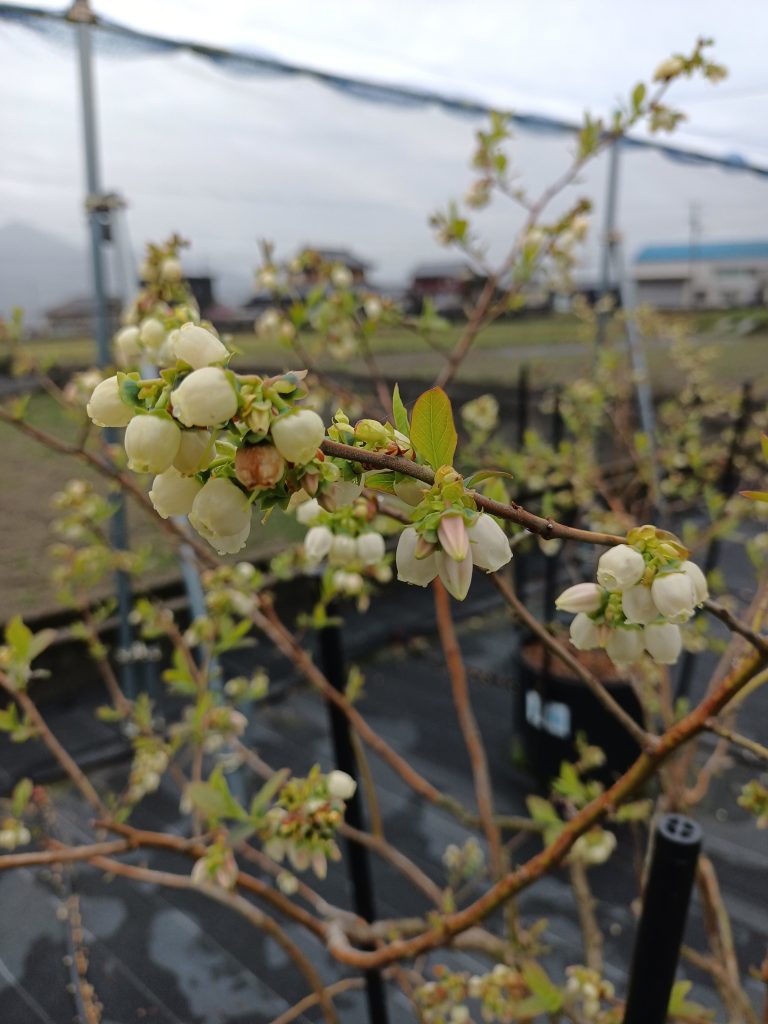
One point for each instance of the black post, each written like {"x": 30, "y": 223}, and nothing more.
{"x": 676, "y": 846}
{"x": 358, "y": 863}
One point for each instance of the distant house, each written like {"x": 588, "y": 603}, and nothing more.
{"x": 75, "y": 318}
{"x": 708, "y": 276}
{"x": 448, "y": 284}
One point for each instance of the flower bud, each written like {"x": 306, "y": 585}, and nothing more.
{"x": 585, "y": 634}
{"x": 410, "y": 569}
{"x": 489, "y": 544}
{"x": 106, "y": 408}
{"x": 699, "y": 581}
{"x": 127, "y": 346}
{"x": 221, "y": 514}
{"x": 584, "y": 597}
{"x": 341, "y": 276}
{"x": 151, "y": 334}
{"x": 663, "y": 642}
{"x": 259, "y": 466}
{"x": 308, "y": 511}
{"x": 340, "y": 785}
{"x": 370, "y": 548}
{"x": 350, "y": 583}
{"x": 372, "y": 306}
{"x": 173, "y": 494}
{"x": 674, "y": 596}
{"x": 620, "y": 567}
{"x": 170, "y": 270}
{"x": 298, "y": 435}
{"x": 195, "y": 452}
{"x": 317, "y": 543}
{"x": 637, "y": 605}
{"x": 668, "y": 69}
{"x": 151, "y": 443}
{"x": 198, "y": 347}
{"x": 624, "y": 646}
{"x": 456, "y": 576}
{"x": 452, "y": 534}
{"x": 371, "y": 431}
{"x": 340, "y": 493}
{"x": 343, "y": 549}
{"x": 204, "y": 398}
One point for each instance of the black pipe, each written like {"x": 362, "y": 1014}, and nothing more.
{"x": 358, "y": 862}
{"x": 676, "y": 845}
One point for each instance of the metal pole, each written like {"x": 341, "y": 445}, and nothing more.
{"x": 81, "y": 14}
{"x": 676, "y": 846}
{"x": 609, "y": 235}
{"x": 358, "y": 863}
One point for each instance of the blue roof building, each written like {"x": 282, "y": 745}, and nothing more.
{"x": 709, "y": 275}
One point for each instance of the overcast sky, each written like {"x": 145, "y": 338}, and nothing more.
{"x": 227, "y": 159}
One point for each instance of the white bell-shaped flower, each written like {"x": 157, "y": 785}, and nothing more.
{"x": 105, "y": 406}
{"x": 699, "y": 581}
{"x": 340, "y": 784}
{"x": 488, "y": 544}
{"x": 198, "y": 347}
{"x": 663, "y": 642}
{"x": 221, "y": 513}
{"x": 317, "y": 543}
{"x": 410, "y": 569}
{"x": 637, "y": 605}
{"x": 456, "y": 576}
{"x": 583, "y": 597}
{"x": 173, "y": 494}
{"x": 195, "y": 453}
{"x": 298, "y": 435}
{"x": 585, "y": 633}
{"x": 204, "y": 398}
{"x": 343, "y": 549}
{"x": 308, "y": 511}
{"x": 370, "y": 548}
{"x": 151, "y": 334}
{"x": 620, "y": 567}
{"x": 128, "y": 346}
{"x": 151, "y": 443}
{"x": 624, "y": 646}
{"x": 674, "y": 596}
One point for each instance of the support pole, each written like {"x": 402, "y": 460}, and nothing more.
{"x": 609, "y": 239}
{"x": 82, "y": 16}
{"x": 676, "y": 846}
{"x": 358, "y": 862}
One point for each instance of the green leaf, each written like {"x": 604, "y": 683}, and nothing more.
{"x": 433, "y": 431}
{"x": 755, "y": 495}
{"x": 680, "y": 1007}
{"x": 638, "y": 95}
{"x": 542, "y": 810}
{"x": 214, "y": 799}
{"x": 764, "y": 445}
{"x": 22, "y": 792}
{"x": 383, "y": 481}
{"x": 19, "y": 639}
{"x": 486, "y": 474}
{"x": 549, "y": 995}
{"x": 263, "y": 798}
{"x": 399, "y": 412}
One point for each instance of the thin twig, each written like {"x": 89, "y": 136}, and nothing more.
{"x": 754, "y": 748}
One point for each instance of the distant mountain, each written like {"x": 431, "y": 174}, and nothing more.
{"x": 39, "y": 270}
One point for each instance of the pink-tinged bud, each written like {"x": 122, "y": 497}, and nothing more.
{"x": 674, "y": 596}
{"x": 310, "y": 482}
{"x": 699, "y": 581}
{"x": 423, "y": 547}
{"x": 453, "y": 537}
{"x": 620, "y": 568}
{"x": 585, "y": 634}
{"x": 410, "y": 568}
{"x": 584, "y": 597}
{"x": 625, "y": 646}
{"x": 637, "y": 605}
{"x": 663, "y": 642}
{"x": 456, "y": 576}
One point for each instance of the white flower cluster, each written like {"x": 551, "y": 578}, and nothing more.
{"x": 483, "y": 544}
{"x": 636, "y": 606}
{"x": 13, "y": 833}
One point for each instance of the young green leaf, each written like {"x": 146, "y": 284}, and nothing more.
{"x": 433, "y": 431}
{"x": 399, "y": 413}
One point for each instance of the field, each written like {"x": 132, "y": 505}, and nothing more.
{"x": 555, "y": 349}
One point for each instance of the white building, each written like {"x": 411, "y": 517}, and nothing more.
{"x": 716, "y": 275}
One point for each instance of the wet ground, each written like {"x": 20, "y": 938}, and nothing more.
{"x": 170, "y": 956}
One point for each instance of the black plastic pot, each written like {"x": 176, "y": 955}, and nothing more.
{"x": 552, "y": 708}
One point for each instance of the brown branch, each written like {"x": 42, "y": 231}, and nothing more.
{"x": 63, "y": 855}
{"x": 69, "y": 765}
{"x": 234, "y": 902}
{"x": 514, "y": 513}
{"x": 737, "y": 626}
{"x": 468, "y": 725}
{"x": 754, "y": 748}
{"x": 311, "y": 1000}
{"x": 639, "y": 735}
{"x": 643, "y": 768}
{"x": 585, "y": 905}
